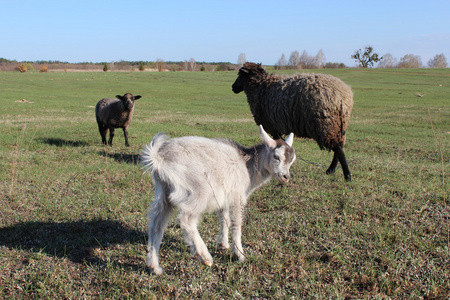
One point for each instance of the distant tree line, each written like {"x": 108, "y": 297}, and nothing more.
{"x": 412, "y": 61}
{"x": 158, "y": 65}
{"x": 304, "y": 61}
{"x": 367, "y": 57}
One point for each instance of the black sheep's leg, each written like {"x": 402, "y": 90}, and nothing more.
{"x": 339, "y": 152}
{"x": 333, "y": 164}
{"x": 103, "y": 131}
{"x": 125, "y": 134}
{"x": 111, "y": 135}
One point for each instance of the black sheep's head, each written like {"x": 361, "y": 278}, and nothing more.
{"x": 248, "y": 74}
{"x": 128, "y": 100}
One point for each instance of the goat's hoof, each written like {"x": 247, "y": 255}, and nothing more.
{"x": 208, "y": 263}
{"x": 348, "y": 177}
{"x": 157, "y": 270}
{"x": 330, "y": 171}
{"x": 223, "y": 246}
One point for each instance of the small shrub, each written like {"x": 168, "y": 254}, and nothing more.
{"x": 105, "y": 67}
{"x": 22, "y": 68}
{"x": 44, "y": 69}
{"x": 141, "y": 67}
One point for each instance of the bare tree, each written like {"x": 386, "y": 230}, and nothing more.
{"x": 192, "y": 65}
{"x": 410, "y": 61}
{"x": 241, "y": 60}
{"x": 319, "y": 60}
{"x": 294, "y": 60}
{"x": 388, "y": 61}
{"x": 438, "y": 61}
{"x": 367, "y": 57}
{"x": 304, "y": 61}
{"x": 281, "y": 64}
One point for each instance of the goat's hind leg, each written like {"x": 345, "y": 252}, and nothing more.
{"x": 188, "y": 223}
{"x": 225, "y": 223}
{"x": 159, "y": 215}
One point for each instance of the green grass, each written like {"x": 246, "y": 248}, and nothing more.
{"x": 73, "y": 213}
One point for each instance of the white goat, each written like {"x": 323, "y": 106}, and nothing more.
{"x": 196, "y": 174}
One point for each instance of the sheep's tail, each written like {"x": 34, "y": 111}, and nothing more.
{"x": 149, "y": 157}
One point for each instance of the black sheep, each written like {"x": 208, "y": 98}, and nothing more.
{"x": 316, "y": 106}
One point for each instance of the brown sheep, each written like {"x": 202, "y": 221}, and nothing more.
{"x": 316, "y": 106}
{"x": 114, "y": 113}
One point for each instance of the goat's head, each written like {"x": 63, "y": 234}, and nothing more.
{"x": 281, "y": 155}
{"x": 249, "y": 73}
{"x": 128, "y": 100}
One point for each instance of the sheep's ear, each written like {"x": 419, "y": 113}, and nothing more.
{"x": 290, "y": 139}
{"x": 137, "y": 97}
{"x": 119, "y": 97}
{"x": 266, "y": 138}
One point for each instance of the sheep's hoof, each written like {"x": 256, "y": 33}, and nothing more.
{"x": 330, "y": 171}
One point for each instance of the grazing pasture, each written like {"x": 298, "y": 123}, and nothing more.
{"x": 73, "y": 212}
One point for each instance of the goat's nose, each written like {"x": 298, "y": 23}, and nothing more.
{"x": 285, "y": 178}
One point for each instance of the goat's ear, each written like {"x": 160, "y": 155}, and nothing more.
{"x": 119, "y": 97}
{"x": 266, "y": 138}
{"x": 290, "y": 139}
{"x": 137, "y": 97}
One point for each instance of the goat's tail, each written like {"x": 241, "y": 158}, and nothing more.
{"x": 149, "y": 155}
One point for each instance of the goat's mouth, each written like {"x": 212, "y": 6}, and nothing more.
{"x": 282, "y": 178}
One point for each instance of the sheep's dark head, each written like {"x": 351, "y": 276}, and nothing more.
{"x": 250, "y": 73}
{"x": 128, "y": 100}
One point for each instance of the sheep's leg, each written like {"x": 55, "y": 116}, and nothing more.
{"x": 198, "y": 247}
{"x": 236, "y": 231}
{"x": 103, "y": 131}
{"x": 340, "y": 156}
{"x": 125, "y": 134}
{"x": 159, "y": 217}
{"x": 333, "y": 164}
{"x": 111, "y": 135}
{"x": 224, "y": 217}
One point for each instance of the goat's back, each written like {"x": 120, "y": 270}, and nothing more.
{"x": 197, "y": 169}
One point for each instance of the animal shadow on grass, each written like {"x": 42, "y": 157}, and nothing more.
{"x": 76, "y": 241}
{"x": 120, "y": 157}
{"x": 61, "y": 142}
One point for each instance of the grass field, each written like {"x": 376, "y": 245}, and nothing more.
{"x": 73, "y": 213}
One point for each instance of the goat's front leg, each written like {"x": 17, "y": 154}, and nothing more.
{"x": 225, "y": 223}
{"x": 236, "y": 231}
{"x": 198, "y": 247}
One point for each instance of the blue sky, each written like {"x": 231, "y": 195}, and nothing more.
{"x": 217, "y": 31}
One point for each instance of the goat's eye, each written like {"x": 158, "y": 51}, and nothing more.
{"x": 276, "y": 157}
